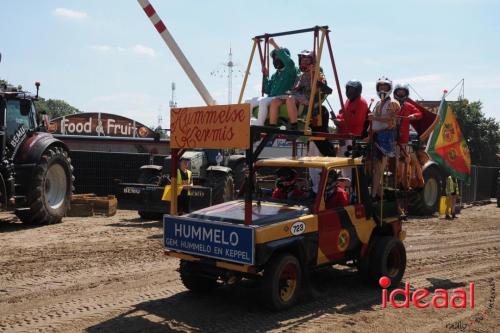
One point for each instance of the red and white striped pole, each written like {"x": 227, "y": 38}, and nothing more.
{"x": 172, "y": 45}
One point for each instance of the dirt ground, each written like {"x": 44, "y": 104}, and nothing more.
{"x": 110, "y": 275}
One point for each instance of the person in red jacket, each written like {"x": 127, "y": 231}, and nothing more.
{"x": 337, "y": 196}
{"x": 286, "y": 185}
{"x": 351, "y": 120}
{"x": 406, "y": 114}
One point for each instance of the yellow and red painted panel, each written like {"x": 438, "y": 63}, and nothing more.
{"x": 285, "y": 229}
{"x": 340, "y": 229}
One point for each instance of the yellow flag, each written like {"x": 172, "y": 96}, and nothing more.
{"x": 167, "y": 192}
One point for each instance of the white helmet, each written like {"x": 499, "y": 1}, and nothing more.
{"x": 383, "y": 94}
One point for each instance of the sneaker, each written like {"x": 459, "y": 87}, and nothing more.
{"x": 448, "y": 217}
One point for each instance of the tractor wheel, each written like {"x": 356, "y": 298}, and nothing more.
{"x": 363, "y": 268}
{"x": 426, "y": 201}
{"x": 240, "y": 171}
{"x": 388, "y": 259}
{"x": 498, "y": 189}
{"x": 149, "y": 215}
{"x": 222, "y": 185}
{"x": 150, "y": 176}
{"x": 51, "y": 188}
{"x": 193, "y": 280}
{"x": 282, "y": 281}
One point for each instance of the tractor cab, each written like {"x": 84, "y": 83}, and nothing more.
{"x": 17, "y": 116}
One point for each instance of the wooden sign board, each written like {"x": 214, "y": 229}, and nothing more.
{"x": 99, "y": 124}
{"x": 219, "y": 126}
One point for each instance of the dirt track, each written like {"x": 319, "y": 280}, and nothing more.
{"x": 109, "y": 275}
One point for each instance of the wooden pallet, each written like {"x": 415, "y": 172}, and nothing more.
{"x": 83, "y": 205}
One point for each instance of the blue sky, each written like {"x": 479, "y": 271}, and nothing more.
{"x": 105, "y": 56}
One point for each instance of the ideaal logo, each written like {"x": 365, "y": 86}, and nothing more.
{"x": 477, "y": 318}
{"x": 459, "y": 298}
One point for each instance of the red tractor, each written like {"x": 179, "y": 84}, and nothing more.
{"x": 36, "y": 176}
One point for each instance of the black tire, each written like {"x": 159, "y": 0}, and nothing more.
{"x": 426, "y": 201}
{"x": 149, "y": 215}
{"x": 154, "y": 177}
{"x": 282, "y": 281}
{"x": 49, "y": 193}
{"x": 193, "y": 280}
{"x": 222, "y": 185}
{"x": 363, "y": 268}
{"x": 388, "y": 259}
{"x": 240, "y": 171}
{"x": 363, "y": 264}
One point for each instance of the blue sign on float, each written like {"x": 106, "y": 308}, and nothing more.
{"x": 223, "y": 241}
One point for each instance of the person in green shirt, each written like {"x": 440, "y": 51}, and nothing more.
{"x": 300, "y": 91}
{"x": 278, "y": 85}
{"x": 451, "y": 196}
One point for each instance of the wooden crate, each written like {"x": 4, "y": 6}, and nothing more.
{"x": 89, "y": 202}
{"x": 80, "y": 210}
{"x": 105, "y": 205}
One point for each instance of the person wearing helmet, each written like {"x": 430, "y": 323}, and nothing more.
{"x": 299, "y": 93}
{"x": 351, "y": 120}
{"x": 286, "y": 185}
{"x": 406, "y": 114}
{"x": 281, "y": 81}
{"x": 382, "y": 125}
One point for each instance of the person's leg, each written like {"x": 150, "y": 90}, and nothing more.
{"x": 253, "y": 103}
{"x": 383, "y": 164}
{"x": 419, "y": 177}
{"x": 405, "y": 167}
{"x": 274, "y": 109}
{"x": 291, "y": 106}
{"x": 342, "y": 150}
{"x": 376, "y": 177}
{"x": 325, "y": 147}
{"x": 448, "y": 206}
{"x": 263, "y": 110}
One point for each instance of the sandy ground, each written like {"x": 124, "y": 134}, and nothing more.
{"x": 110, "y": 275}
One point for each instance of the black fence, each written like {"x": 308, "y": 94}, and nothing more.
{"x": 95, "y": 172}
{"x": 482, "y": 185}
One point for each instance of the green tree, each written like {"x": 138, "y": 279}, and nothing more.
{"x": 482, "y": 133}
{"x": 55, "y": 107}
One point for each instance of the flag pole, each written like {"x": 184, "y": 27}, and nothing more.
{"x": 436, "y": 121}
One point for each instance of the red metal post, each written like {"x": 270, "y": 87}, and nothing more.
{"x": 173, "y": 183}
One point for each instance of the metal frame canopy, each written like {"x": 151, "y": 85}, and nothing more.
{"x": 269, "y": 134}
{"x": 320, "y": 34}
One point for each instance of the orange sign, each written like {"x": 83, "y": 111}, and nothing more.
{"x": 219, "y": 126}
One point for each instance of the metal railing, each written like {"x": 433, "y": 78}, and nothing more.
{"x": 482, "y": 184}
